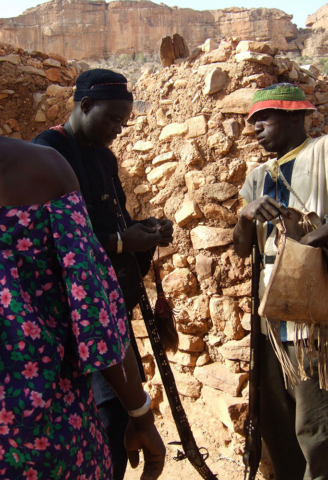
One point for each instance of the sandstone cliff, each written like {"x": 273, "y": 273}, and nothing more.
{"x": 316, "y": 45}
{"x": 84, "y": 29}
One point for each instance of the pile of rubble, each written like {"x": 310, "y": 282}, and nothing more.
{"x": 35, "y": 90}
{"x": 184, "y": 155}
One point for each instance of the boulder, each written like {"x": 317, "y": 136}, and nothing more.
{"x": 209, "y": 45}
{"x": 214, "y": 81}
{"x": 53, "y": 74}
{"x": 52, "y": 112}
{"x": 203, "y": 237}
{"x": 187, "y": 385}
{"x": 203, "y": 359}
{"x": 40, "y": 116}
{"x": 13, "y": 59}
{"x": 181, "y": 280}
{"x": 217, "y": 376}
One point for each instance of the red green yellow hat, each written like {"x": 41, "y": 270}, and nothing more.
{"x": 281, "y": 96}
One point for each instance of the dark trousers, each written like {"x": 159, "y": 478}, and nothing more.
{"x": 294, "y": 422}
{"x": 115, "y": 419}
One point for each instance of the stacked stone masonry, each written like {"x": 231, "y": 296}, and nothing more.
{"x": 184, "y": 155}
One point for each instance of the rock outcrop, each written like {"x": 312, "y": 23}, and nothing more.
{"x": 316, "y": 43}
{"x": 95, "y": 29}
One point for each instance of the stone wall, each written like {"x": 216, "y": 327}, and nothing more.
{"x": 94, "y": 29}
{"x": 185, "y": 155}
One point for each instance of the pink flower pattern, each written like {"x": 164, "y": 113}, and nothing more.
{"x": 55, "y": 331}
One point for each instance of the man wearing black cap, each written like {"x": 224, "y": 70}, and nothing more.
{"x": 103, "y": 104}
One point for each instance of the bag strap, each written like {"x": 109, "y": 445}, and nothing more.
{"x": 290, "y": 188}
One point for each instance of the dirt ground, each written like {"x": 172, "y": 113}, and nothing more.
{"x": 225, "y": 468}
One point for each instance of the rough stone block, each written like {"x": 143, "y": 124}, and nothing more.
{"x": 190, "y": 343}
{"x": 190, "y": 153}
{"x": 52, "y": 112}
{"x": 187, "y": 212}
{"x": 225, "y": 316}
{"x": 230, "y": 410}
{"x": 40, "y": 116}
{"x": 219, "y": 191}
{"x": 236, "y": 349}
{"x": 203, "y": 267}
{"x": 163, "y": 157}
{"x": 203, "y": 237}
{"x": 173, "y": 130}
{"x": 197, "y": 126}
{"x": 142, "y": 189}
{"x": 32, "y": 70}
{"x": 209, "y": 45}
{"x": 214, "y": 81}
{"x": 194, "y": 180}
{"x": 183, "y": 358}
{"x": 241, "y": 290}
{"x": 187, "y": 385}
{"x": 217, "y": 376}
{"x": 261, "y": 58}
{"x": 51, "y": 62}
{"x": 213, "y": 210}
{"x": 13, "y": 59}
{"x": 221, "y": 143}
{"x": 162, "y": 173}
{"x": 142, "y": 146}
{"x": 231, "y": 127}
{"x": 239, "y": 101}
{"x": 181, "y": 280}
{"x": 203, "y": 359}
{"x": 258, "y": 47}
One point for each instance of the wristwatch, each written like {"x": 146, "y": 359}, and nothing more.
{"x": 119, "y": 243}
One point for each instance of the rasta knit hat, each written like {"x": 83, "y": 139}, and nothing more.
{"x": 101, "y": 84}
{"x": 281, "y": 96}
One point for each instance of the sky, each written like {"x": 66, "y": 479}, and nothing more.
{"x": 298, "y": 8}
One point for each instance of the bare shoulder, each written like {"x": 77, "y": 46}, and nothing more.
{"x": 32, "y": 173}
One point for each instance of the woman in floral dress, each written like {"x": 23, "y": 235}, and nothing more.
{"x": 62, "y": 316}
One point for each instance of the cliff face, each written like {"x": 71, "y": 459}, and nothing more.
{"x": 94, "y": 29}
{"x": 316, "y": 45}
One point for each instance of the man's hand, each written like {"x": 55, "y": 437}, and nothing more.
{"x": 141, "y": 433}
{"x": 317, "y": 238}
{"x": 140, "y": 238}
{"x": 165, "y": 227}
{"x": 264, "y": 209}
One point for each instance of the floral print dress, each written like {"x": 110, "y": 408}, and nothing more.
{"x": 62, "y": 316}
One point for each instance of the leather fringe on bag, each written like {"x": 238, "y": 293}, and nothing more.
{"x": 297, "y": 292}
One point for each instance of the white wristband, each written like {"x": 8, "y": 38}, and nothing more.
{"x": 142, "y": 410}
{"x": 119, "y": 243}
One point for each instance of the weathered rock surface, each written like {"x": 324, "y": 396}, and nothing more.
{"x": 232, "y": 411}
{"x": 181, "y": 280}
{"x": 216, "y": 376}
{"x": 209, "y": 237}
{"x": 236, "y": 349}
{"x": 79, "y": 28}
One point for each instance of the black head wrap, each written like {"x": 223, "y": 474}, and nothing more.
{"x": 101, "y": 84}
